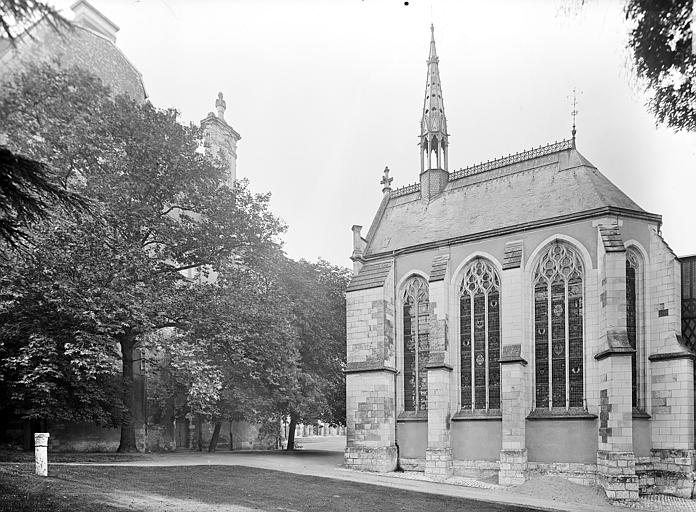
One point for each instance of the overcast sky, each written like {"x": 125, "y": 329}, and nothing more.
{"x": 326, "y": 93}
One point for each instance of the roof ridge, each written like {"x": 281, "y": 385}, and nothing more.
{"x": 553, "y": 147}
{"x": 496, "y": 163}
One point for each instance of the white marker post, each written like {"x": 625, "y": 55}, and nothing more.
{"x": 41, "y": 453}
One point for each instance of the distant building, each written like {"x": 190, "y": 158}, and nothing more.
{"x": 89, "y": 44}
{"x": 519, "y": 317}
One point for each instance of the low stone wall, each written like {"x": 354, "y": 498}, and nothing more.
{"x": 156, "y": 438}
{"x": 670, "y": 472}
{"x": 577, "y": 472}
{"x": 381, "y": 460}
{"x": 476, "y": 468}
{"x": 83, "y": 437}
{"x": 412, "y": 464}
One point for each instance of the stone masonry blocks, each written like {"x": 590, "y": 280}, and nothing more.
{"x": 672, "y": 404}
{"x": 380, "y": 460}
{"x": 513, "y": 467}
{"x": 616, "y": 473}
{"x": 438, "y": 463}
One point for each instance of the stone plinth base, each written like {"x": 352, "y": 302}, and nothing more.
{"x": 380, "y": 459}
{"x": 412, "y": 464}
{"x": 438, "y": 463}
{"x": 513, "y": 467}
{"x": 671, "y": 472}
{"x": 616, "y": 473}
{"x": 479, "y": 469}
{"x": 576, "y": 472}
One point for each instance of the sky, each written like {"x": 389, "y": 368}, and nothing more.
{"x": 325, "y": 94}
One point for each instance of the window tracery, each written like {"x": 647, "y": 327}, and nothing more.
{"x": 633, "y": 284}
{"x": 479, "y": 329}
{"x": 558, "y": 328}
{"x": 416, "y": 346}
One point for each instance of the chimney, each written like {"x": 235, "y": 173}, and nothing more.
{"x": 87, "y": 16}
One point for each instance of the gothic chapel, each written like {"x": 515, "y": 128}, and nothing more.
{"x": 516, "y": 318}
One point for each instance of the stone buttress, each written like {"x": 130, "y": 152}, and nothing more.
{"x": 371, "y": 369}
{"x": 615, "y": 457}
{"x": 671, "y": 468}
{"x": 438, "y": 455}
{"x": 513, "y": 372}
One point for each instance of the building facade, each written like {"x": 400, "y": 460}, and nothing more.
{"x": 515, "y": 318}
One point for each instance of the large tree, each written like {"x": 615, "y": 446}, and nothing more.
{"x": 161, "y": 209}
{"x": 661, "y": 39}
{"x": 239, "y": 355}
{"x": 316, "y": 292}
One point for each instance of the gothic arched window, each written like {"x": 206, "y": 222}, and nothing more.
{"x": 633, "y": 311}
{"x": 416, "y": 346}
{"x": 479, "y": 331}
{"x": 558, "y": 328}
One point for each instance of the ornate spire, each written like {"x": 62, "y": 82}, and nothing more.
{"x": 433, "y": 136}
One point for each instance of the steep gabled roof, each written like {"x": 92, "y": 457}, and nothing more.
{"x": 553, "y": 183}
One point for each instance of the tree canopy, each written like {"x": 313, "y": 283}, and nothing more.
{"x": 161, "y": 209}
{"x": 16, "y": 15}
{"x": 661, "y": 39}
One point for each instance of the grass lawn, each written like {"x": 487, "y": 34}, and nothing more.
{"x": 28, "y": 456}
{"x": 205, "y": 489}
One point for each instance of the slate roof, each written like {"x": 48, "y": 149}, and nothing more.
{"x": 513, "y": 255}
{"x": 611, "y": 239}
{"x": 371, "y": 275}
{"x": 555, "y": 182}
{"x": 438, "y": 268}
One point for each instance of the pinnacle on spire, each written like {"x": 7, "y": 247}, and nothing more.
{"x": 220, "y": 106}
{"x": 433, "y": 52}
{"x": 574, "y": 113}
{"x": 386, "y": 181}
{"x": 433, "y": 136}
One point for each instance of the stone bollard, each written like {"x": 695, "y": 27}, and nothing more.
{"x": 41, "y": 453}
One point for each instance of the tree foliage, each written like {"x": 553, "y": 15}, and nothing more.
{"x": 316, "y": 292}
{"x": 663, "y": 53}
{"x": 161, "y": 208}
{"x": 27, "y": 195}
{"x": 17, "y": 15}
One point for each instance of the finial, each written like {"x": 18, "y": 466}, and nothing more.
{"x": 574, "y": 113}
{"x": 221, "y": 106}
{"x": 386, "y": 181}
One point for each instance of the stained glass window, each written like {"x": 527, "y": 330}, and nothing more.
{"x": 479, "y": 328}
{"x": 558, "y": 328}
{"x": 416, "y": 346}
{"x": 632, "y": 274}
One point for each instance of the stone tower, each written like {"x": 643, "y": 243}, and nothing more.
{"x": 221, "y": 139}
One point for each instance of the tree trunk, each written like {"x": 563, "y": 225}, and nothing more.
{"x": 199, "y": 434}
{"x": 127, "y": 443}
{"x": 291, "y": 433}
{"x": 216, "y": 435}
